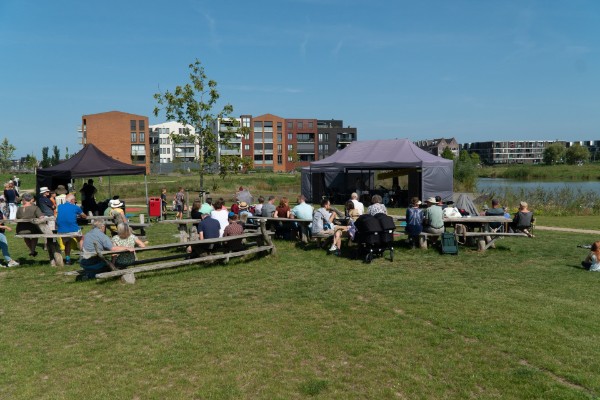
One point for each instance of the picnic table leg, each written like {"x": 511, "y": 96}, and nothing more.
{"x": 265, "y": 235}
{"x": 303, "y": 233}
{"x": 481, "y": 245}
{"x": 423, "y": 242}
{"x": 183, "y": 234}
{"x": 54, "y": 252}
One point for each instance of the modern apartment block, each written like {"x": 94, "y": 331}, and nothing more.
{"x": 164, "y": 149}
{"x": 592, "y": 145}
{"x": 121, "y": 135}
{"x": 509, "y": 152}
{"x": 437, "y": 146}
{"x": 333, "y": 136}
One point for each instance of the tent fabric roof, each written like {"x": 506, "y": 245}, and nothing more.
{"x": 90, "y": 161}
{"x": 380, "y": 154}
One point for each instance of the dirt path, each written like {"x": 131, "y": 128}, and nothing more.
{"x": 556, "y": 228}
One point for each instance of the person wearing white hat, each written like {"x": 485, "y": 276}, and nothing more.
{"x": 117, "y": 214}
{"x": 433, "y": 221}
{"x": 46, "y": 205}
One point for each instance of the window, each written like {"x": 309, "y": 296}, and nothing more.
{"x": 246, "y": 147}
{"x": 300, "y": 125}
{"x": 290, "y": 136}
{"x": 290, "y": 147}
{"x": 279, "y": 148}
{"x": 138, "y": 150}
{"x": 279, "y": 126}
{"x": 258, "y": 147}
{"x": 133, "y": 136}
{"x": 132, "y": 125}
{"x": 279, "y": 159}
{"x": 310, "y": 124}
{"x": 258, "y": 157}
{"x": 258, "y": 125}
{"x": 290, "y": 124}
{"x": 141, "y": 125}
{"x": 279, "y": 138}
{"x": 142, "y": 137}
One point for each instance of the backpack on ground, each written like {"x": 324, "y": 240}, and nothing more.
{"x": 449, "y": 243}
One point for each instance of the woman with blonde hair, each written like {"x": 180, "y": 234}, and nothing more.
{"x": 125, "y": 238}
{"x": 592, "y": 261}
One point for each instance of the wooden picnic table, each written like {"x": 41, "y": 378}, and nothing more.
{"x": 302, "y": 223}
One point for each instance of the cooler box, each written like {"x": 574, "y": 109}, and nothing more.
{"x": 154, "y": 207}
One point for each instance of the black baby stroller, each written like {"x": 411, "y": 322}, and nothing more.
{"x": 374, "y": 235}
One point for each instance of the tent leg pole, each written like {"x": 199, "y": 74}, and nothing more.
{"x": 147, "y": 202}
{"x": 109, "y": 188}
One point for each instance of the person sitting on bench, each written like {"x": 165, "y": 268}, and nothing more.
{"x": 93, "y": 241}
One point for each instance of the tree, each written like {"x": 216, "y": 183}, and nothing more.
{"x": 192, "y": 105}
{"x": 577, "y": 154}
{"x": 31, "y": 162}
{"x": 229, "y": 165}
{"x": 55, "y": 155}
{"x": 67, "y": 155}
{"x": 448, "y": 154}
{"x": 553, "y": 153}
{"x": 7, "y": 152}
{"x": 475, "y": 158}
{"x": 45, "y": 163}
{"x": 247, "y": 164}
{"x": 465, "y": 171}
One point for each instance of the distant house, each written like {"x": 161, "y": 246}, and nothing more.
{"x": 437, "y": 146}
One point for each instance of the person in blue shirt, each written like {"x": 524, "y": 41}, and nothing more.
{"x": 66, "y": 222}
{"x": 208, "y": 228}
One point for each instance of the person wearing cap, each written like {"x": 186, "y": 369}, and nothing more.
{"x": 117, "y": 214}
{"x": 208, "y": 228}
{"x": 414, "y": 221}
{"x": 234, "y": 228}
{"x": 66, "y": 222}
{"x": 244, "y": 211}
{"x": 29, "y": 210}
{"x": 433, "y": 220}
{"x": 523, "y": 219}
{"x": 450, "y": 211}
{"x": 495, "y": 211}
{"x": 46, "y": 205}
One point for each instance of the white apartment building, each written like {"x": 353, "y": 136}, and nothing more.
{"x": 233, "y": 126}
{"x": 165, "y": 150}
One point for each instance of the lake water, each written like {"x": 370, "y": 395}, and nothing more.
{"x": 492, "y": 184}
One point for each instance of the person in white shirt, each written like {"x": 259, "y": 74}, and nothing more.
{"x": 221, "y": 214}
{"x": 357, "y": 204}
{"x": 450, "y": 211}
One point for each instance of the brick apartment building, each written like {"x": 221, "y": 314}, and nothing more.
{"x": 437, "y": 146}
{"x": 121, "y": 135}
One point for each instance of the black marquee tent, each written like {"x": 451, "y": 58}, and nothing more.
{"x": 88, "y": 162}
{"x": 353, "y": 166}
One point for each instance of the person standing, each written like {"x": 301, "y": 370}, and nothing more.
{"x": 163, "y": 201}
{"x": 179, "y": 203}
{"x": 4, "y": 244}
{"x": 88, "y": 194}
{"x": 10, "y": 194}
{"x": 66, "y": 222}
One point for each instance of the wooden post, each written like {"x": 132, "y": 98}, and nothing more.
{"x": 265, "y": 234}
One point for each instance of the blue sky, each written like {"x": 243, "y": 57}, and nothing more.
{"x": 473, "y": 69}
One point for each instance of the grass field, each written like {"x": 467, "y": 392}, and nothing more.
{"x": 519, "y": 321}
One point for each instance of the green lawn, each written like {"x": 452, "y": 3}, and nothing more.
{"x": 519, "y": 321}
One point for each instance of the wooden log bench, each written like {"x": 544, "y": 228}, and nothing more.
{"x": 230, "y": 247}
{"x": 51, "y": 244}
{"x": 484, "y": 240}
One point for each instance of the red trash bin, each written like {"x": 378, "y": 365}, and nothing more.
{"x": 154, "y": 208}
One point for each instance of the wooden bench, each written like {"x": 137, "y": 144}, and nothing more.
{"x": 53, "y": 249}
{"x": 262, "y": 244}
{"x": 485, "y": 240}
